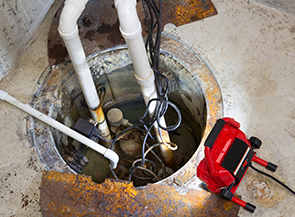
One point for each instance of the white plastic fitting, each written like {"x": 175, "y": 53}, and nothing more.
{"x": 115, "y": 117}
{"x": 69, "y": 16}
{"x": 68, "y": 30}
{"x": 2, "y": 94}
{"x": 107, "y": 153}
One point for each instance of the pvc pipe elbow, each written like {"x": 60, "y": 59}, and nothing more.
{"x": 108, "y": 153}
{"x": 2, "y": 94}
{"x": 130, "y": 26}
{"x": 69, "y": 16}
{"x": 113, "y": 157}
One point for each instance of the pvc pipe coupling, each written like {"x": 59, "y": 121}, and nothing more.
{"x": 147, "y": 82}
{"x": 68, "y": 36}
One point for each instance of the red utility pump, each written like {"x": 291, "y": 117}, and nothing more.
{"x": 228, "y": 154}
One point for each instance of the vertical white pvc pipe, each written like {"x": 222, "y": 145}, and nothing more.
{"x": 130, "y": 29}
{"x": 68, "y": 30}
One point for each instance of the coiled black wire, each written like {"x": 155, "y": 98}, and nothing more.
{"x": 153, "y": 15}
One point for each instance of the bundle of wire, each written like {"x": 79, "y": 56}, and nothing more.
{"x": 153, "y": 15}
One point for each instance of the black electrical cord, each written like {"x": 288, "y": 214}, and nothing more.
{"x": 132, "y": 169}
{"x": 137, "y": 126}
{"x": 152, "y": 169}
{"x": 153, "y": 15}
{"x": 168, "y": 128}
{"x": 113, "y": 172}
{"x": 157, "y": 116}
{"x": 278, "y": 181}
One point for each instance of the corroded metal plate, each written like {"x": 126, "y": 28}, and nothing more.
{"x": 66, "y": 194}
{"x": 99, "y": 24}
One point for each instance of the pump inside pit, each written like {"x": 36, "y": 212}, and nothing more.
{"x": 113, "y": 75}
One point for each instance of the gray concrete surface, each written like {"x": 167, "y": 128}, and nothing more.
{"x": 19, "y": 21}
{"x": 283, "y": 5}
{"x": 250, "y": 49}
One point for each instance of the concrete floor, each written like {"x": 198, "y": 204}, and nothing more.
{"x": 250, "y": 49}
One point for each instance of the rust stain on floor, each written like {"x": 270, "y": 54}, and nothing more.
{"x": 264, "y": 191}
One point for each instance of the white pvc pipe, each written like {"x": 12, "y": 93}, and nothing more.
{"x": 68, "y": 30}
{"x": 107, "y": 153}
{"x": 130, "y": 28}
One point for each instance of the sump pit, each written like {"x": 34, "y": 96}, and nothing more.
{"x": 60, "y": 95}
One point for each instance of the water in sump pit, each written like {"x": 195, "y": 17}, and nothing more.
{"x": 123, "y": 92}
{"x": 185, "y": 137}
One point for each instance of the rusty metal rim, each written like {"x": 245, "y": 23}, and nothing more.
{"x": 214, "y": 106}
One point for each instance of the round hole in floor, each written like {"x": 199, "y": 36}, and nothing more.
{"x": 192, "y": 88}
